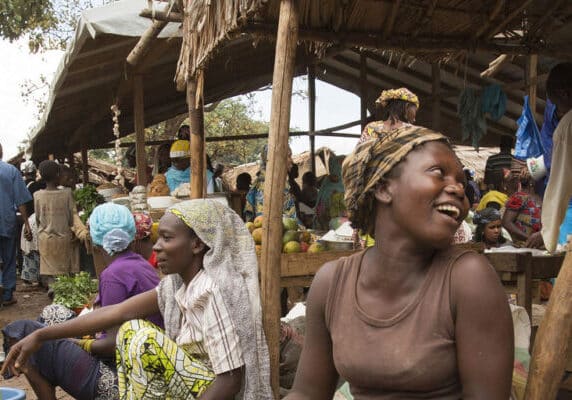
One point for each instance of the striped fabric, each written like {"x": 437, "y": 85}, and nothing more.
{"x": 372, "y": 160}
{"x": 207, "y": 331}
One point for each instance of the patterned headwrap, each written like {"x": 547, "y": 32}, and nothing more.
{"x": 230, "y": 262}
{"x": 180, "y": 148}
{"x": 113, "y": 226}
{"x": 486, "y": 216}
{"x": 143, "y": 225}
{"x": 370, "y": 161}
{"x": 397, "y": 94}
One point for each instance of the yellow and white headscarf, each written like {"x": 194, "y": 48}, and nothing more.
{"x": 397, "y": 94}
{"x": 180, "y": 149}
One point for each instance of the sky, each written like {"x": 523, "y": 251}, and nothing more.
{"x": 18, "y": 118}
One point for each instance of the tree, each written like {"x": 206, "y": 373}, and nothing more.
{"x": 48, "y": 24}
{"x": 233, "y": 117}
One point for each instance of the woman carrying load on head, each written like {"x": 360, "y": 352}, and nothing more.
{"x": 86, "y": 368}
{"x": 213, "y": 346}
{"x": 411, "y": 317}
{"x": 400, "y": 107}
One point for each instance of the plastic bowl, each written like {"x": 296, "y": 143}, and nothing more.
{"x": 7, "y": 393}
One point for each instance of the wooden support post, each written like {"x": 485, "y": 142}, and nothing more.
{"x": 287, "y": 37}
{"x": 198, "y": 156}
{"x": 139, "y": 122}
{"x": 435, "y": 91}
{"x": 84, "y": 163}
{"x": 550, "y": 351}
{"x": 312, "y": 114}
{"x": 532, "y": 72}
{"x": 144, "y": 44}
{"x": 363, "y": 89}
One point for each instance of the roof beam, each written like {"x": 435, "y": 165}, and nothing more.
{"x": 418, "y": 45}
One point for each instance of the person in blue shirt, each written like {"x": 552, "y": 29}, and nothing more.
{"x": 180, "y": 170}
{"x": 13, "y": 196}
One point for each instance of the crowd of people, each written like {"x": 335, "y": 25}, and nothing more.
{"x": 411, "y": 316}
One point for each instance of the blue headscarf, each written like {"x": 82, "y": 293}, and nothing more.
{"x": 112, "y": 226}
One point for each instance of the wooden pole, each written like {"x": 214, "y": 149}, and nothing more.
{"x": 532, "y": 72}
{"x": 550, "y": 351}
{"x": 139, "y": 122}
{"x": 363, "y": 89}
{"x": 144, "y": 44}
{"x": 287, "y": 37}
{"x": 197, "y": 128}
{"x": 312, "y": 114}
{"x": 84, "y": 163}
{"x": 435, "y": 91}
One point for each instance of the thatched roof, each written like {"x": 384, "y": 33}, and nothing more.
{"x": 239, "y": 58}
{"x": 424, "y": 29}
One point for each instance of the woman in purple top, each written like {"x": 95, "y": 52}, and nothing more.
{"x": 86, "y": 368}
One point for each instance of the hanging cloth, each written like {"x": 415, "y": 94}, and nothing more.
{"x": 528, "y": 143}
{"x": 470, "y": 111}
{"x": 493, "y": 102}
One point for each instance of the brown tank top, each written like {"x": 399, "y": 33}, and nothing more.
{"x": 411, "y": 355}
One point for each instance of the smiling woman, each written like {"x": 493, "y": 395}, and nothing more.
{"x": 405, "y": 318}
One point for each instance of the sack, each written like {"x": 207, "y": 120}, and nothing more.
{"x": 528, "y": 144}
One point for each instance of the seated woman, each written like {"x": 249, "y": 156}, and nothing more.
{"x": 143, "y": 245}
{"x": 213, "y": 346}
{"x": 411, "y": 317}
{"x": 88, "y": 371}
{"x": 489, "y": 228}
{"x": 522, "y": 213}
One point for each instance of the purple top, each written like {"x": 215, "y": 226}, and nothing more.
{"x": 128, "y": 275}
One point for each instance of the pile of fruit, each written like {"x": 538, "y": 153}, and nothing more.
{"x": 294, "y": 239}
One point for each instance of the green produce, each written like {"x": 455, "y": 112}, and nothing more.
{"x": 74, "y": 291}
{"x": 289, "y": 224}
{"x": 86, "y": 199}
{"x": 290, "y": 236}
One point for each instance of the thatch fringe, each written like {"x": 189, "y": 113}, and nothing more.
{"x": 206, "y": 24}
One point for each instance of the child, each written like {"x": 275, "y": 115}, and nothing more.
{"x": 30, "y": 255}
{"x": 55, "y": 209}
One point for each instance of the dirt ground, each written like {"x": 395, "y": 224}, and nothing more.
{"x": 31, "y": 301}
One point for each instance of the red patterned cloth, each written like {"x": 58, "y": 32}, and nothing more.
{"x": 528, "y": 218}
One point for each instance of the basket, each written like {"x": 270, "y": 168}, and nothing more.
{"x": 157, "y": 213}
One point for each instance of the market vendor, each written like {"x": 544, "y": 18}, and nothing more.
{"x": 489, "y": 228}
{"x": 255, "y": 197}
{"x": 411, "y": 317}
{"x": 399, "y": 105}
{"x": 213, "y": 345}
{"x": 180, "y": 170}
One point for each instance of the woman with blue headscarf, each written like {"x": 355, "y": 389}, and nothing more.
{"x": 86, "y": 368}
{"x": 330, "y": 202}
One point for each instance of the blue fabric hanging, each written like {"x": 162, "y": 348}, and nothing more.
{"x": 528, "y": 144}
{"x": 493, "y": 102}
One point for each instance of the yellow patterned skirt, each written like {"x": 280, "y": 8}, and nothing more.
{"x": 151, "y": 366}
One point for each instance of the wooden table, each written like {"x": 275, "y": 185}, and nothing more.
{"x": 526, "y": 267}
{"x": 298, "y": 269}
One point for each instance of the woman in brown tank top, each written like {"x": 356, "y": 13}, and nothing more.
{"x": 411, "y": 317}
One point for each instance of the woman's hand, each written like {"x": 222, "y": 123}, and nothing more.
{"x": 17, "y": 359}
{"x": 535, "y": 241}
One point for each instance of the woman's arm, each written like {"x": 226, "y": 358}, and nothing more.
{"x": 483, "y": 329}
{"x": 316, "y": 377}
{"x": 225, "y": 386}
{"x": 139, "y": 306}
{"x": 508, "y": 220}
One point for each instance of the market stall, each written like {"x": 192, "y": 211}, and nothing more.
{"x": 345, "y": 44}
